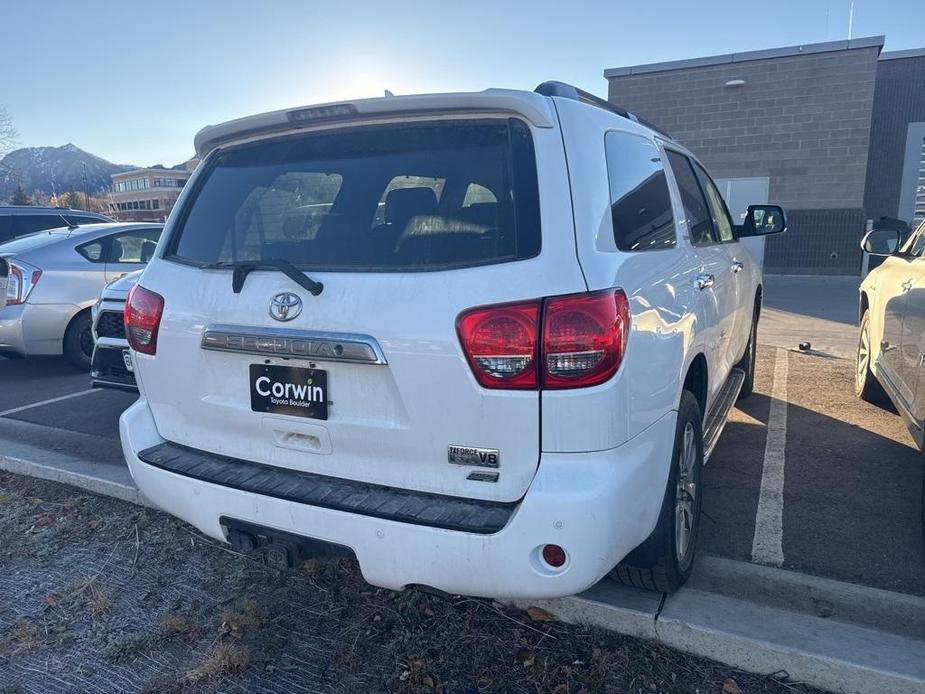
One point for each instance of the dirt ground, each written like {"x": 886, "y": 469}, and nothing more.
{"x": 103, "y": 596}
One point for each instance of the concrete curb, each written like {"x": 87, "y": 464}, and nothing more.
{"x": 780, "y": 628}
{"x": 91, "y": 480}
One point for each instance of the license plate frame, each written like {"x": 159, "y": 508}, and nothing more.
{"x": 291, "y": 390}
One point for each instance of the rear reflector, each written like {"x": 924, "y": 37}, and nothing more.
{"x": 142, "y": 318}
{"x": 554, "y": 555}
{"x": 583, "y": 341}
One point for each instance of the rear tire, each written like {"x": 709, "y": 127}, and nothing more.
{"x": 664, "y": 561}
{"x": 78, "y": 341}
{"x": 866, "y": 385}
{"x": 748, "y": 360}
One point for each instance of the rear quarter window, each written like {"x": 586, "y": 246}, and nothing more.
{"x": 406, "y": 197}
{"x": 640, "y": 205}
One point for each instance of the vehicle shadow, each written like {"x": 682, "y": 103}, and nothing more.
{"x": 852, "y": 492}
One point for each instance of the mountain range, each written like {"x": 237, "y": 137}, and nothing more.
{"x": 55, "y": 170}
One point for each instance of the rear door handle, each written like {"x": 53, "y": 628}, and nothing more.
{"x": 737, "y": 265}
{"x": 705, "y": 280}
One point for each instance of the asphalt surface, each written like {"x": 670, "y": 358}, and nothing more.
{"x": 851, "y": 477}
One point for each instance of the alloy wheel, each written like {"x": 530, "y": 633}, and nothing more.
{"x": 686, "y": 497}
{"x": 863, "y": 362}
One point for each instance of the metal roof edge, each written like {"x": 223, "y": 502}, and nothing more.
{"x": 765, "y": 54}
{"x": 908, "y": 53}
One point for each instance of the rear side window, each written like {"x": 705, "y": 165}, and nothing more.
{"x": 80, "y": 219}
{"x": 27, "y": 223}
{"x": 722, "y": 223}
{"x": 699, "y": 221}
{"x": 640, "y": 205}
{"x": 408, "y": 197}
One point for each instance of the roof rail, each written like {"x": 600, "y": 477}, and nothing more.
{"x": 567, "y": 91}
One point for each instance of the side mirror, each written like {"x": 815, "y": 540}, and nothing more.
{"x": 881, "y": 242}
{"x": 761, "y": 220}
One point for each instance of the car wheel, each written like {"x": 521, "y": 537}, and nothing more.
{"x": 664, "y": 561}
{"x": 747, "y": 362}
{"x": 866, "y": 385}
{"x": 78, "y": 341}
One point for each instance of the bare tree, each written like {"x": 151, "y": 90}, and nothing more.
{"x": 8, "y": 135}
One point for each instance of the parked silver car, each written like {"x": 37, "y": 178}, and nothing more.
{"x": 111, "y": 366}
{"x": 56, "y": 276}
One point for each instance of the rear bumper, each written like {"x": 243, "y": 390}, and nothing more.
{"x": 12, "y": 343}
{"x": 598, "y": 506}
{"x": 34, "y": 329}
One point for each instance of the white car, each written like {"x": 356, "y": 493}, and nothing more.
{"x": 891, "y": 342}
{"x": 484, "y": 341}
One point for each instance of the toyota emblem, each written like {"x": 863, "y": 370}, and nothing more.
{"x": 285, "y": 306}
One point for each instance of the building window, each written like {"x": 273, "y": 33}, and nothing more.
{"x": 169, "y": 182}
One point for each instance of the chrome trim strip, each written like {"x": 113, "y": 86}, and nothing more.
{"x": 296, "y": 344}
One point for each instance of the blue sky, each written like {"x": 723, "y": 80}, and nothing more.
{"x": 133, "y": 82}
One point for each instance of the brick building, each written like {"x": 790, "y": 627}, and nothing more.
{"x": 147, "y": 195}
{"x": 833, "y": 131}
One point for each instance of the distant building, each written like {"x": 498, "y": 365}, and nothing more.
{"x": 147, "y": 195}
{"x": 835, "y": 132}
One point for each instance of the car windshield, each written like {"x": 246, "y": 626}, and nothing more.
{"x": 422, "y": 196}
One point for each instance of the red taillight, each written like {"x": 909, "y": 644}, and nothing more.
{"x": 583, "y": 341}
{"x": 21, "y": 282}
{"x": 500, "y": 343}
{"x": 142, "y": 318}
{"x": 584, "y": 337}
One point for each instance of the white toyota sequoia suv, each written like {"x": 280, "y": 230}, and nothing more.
{"x": 481, "y": 342}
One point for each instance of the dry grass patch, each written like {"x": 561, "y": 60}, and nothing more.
{"x": 224, "y": 659}
{"x": 23, "y": 636}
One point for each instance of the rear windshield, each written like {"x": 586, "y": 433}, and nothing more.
{"x": 408, "y": 197}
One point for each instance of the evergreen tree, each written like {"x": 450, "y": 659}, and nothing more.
{"x": 20, "y": 197}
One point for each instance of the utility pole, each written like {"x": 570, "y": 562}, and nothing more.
{"x": 83, "y": 164}
{"x": 850, "y": 19}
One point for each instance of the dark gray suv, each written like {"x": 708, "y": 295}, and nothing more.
{"x": 19, "y": 220}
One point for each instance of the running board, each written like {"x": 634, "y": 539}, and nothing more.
{"x": 716, "y": 419}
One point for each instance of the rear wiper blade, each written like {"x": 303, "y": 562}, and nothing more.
{"x": 243, "y": 268}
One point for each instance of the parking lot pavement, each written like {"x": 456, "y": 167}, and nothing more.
{"x": 819, "y": 310}
{"x": 48, "y": 404}
{"x": 851, "y": 480}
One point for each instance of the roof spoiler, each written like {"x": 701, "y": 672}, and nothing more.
{"x": 532, "y": 107}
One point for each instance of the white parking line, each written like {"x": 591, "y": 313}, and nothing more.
{"x": 767, "y": 545}
{"x": 49, "y": 401}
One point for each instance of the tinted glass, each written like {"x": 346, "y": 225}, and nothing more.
{"x": 640, "y": 204}
{"x": 81, "y": 219}
{"x": 699, "y": 220}
{"x": 718, "y": 213}
{"x": 134, "y": 247}
{"x": 384, "y": 198}
{"x": 93, "y": 251}
{"x": 27, "y": 223}
{"x": 6, "y": 230}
